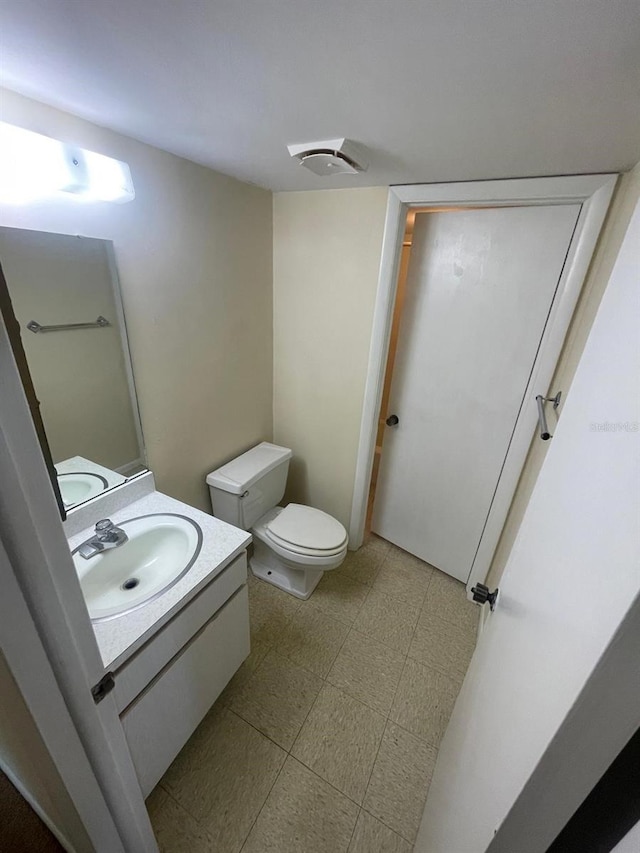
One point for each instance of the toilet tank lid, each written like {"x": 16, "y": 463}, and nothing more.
{"x": 242, "y": 472}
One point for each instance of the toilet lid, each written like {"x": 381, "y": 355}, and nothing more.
{"x": 306, "y": 527}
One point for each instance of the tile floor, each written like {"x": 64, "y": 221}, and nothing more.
{"x": 326, "y": 738}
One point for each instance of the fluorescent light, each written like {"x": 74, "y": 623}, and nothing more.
{"x": 109, "y": 179}
{"x": 33, "y": 166}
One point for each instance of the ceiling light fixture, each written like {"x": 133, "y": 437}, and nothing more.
{"x": 34, "y": 166}
{"x": 330, "y": 157}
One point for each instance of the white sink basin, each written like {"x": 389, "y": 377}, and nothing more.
{"x": 80, "y": 486}
{"x": 160, "y": 550}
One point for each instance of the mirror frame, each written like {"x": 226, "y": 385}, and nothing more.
{"x": 126, "y": 348}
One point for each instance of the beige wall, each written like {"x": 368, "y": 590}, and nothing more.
{"x": 194, "y": 259}
{"x": 326, "y": 256}
{"x": 79, "y": 375}
{"x": 26, "y": 761}
{"x": 624, "y": 202}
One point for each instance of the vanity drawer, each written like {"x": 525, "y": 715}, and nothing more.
{"x": 161, "y": 720}
{"x": 140, "y": 669}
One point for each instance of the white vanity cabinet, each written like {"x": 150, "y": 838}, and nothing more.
{"x": 165, "y": 689}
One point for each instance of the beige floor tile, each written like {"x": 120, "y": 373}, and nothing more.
{"x": 368, "y": 671}
{"x": 223, "y": 776}
{"x": 400, "y": 781}
{"x": 409, "y": 561}
{"x": 303, "y": 814}
{"x": 377, "y": 543}
{"x": 388, "y": 620}
{"x": 447, "y": 599}
{"x": 312, "y": 639}
{"x": 175, "y": 830}
{"x": 277, "y": 698}
{"x": 424, "y": 700}
{"x": 259, "y": 649}
{"x": 446, "y": 646}
{"x": 338, "y": 596}
{"x": 398, "y": 555}
{"x": 363, "y": 565}
{"x": 339, "y": 741}
{"x": 371, "y": 836}
{"x": 404, "y": 577}
{"x": 270, "y": 609}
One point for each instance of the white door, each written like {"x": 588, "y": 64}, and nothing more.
{"x": 480, "y": 286}
{"x": 572, "y": 575}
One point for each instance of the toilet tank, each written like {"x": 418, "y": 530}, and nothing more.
{"x": 250, "y": 485}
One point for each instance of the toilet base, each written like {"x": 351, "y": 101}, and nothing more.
{"x": 290, "y": 575}
{"x": 298, "y": 582}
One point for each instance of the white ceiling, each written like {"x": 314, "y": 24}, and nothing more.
{"x": 436, "y": 90}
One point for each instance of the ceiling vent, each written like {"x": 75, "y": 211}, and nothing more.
{"x": 330, "y": 157}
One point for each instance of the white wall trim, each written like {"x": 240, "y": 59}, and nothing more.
{"x": 594, "y": 193}
{"x": 382, "y": 318}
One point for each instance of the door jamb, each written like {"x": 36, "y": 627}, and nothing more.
{"x": 32, "y": 535}
{"x": 593, "y": 193}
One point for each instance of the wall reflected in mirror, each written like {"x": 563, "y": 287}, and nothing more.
{"x": 66, "y": 300}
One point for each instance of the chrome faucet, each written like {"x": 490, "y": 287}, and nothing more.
{"x": 107, "y": 536}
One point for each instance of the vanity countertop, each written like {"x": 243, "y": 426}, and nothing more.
{"x": 120, "y": 637}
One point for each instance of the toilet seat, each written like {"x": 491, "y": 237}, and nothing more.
{"x": 307, "y": 531}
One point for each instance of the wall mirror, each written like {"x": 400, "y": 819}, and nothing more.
{"x": 65, "y": 300}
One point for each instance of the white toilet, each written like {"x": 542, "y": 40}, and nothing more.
{"x": 293, "y": 545}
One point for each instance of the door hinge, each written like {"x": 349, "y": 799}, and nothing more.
{"x": 104, "y": 686}
{"x": 481, "y": 595}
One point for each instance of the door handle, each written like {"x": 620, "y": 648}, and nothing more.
{"x": 545, "y": 435}
{"x": 392, "y": 420}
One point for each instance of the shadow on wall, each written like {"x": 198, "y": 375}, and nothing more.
{"x": 297, "y": 483}
{"x": 21, "y": 830}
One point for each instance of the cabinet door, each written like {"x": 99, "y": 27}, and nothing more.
{"x": 161, "y": 720}
{"x": 137, "y": 672}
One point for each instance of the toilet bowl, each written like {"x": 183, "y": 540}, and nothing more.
{"x": 293, "y": 545}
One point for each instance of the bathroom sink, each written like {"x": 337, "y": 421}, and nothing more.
{"x": 160, "y": 550}
{"x": 80, "y": 486}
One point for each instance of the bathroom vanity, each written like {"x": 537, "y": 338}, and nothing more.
{"x": 171, "y": 657}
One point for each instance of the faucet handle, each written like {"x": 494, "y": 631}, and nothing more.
{"x": 104, "y": 525}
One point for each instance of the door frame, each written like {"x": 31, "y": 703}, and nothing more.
{"x": 593, "y": 193}
{"x": 46, "y": 603}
